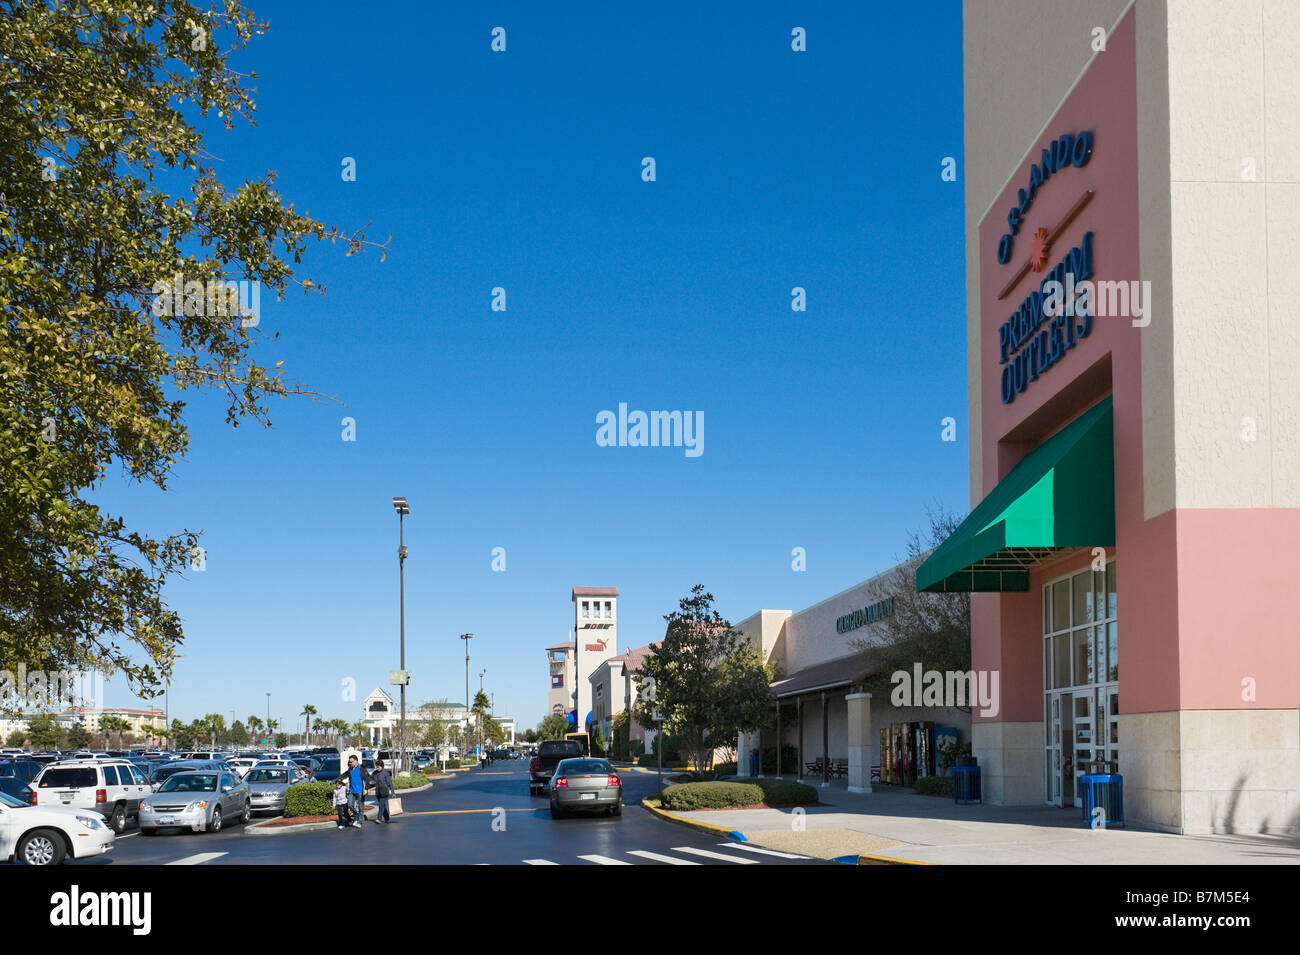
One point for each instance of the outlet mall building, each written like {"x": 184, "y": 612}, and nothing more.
{"x": 1135, "y": 470}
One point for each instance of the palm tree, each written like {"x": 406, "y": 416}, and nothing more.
{"x": 114, "y": 724}
{"x": 254, "y": 726}
{"x": 308, "y": 711}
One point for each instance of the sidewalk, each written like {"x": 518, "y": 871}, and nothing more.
{"x": 896, "y": 823}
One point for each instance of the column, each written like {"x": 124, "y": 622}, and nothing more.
{"x": 859, "y": 726}
{"x": 747, "y": 745}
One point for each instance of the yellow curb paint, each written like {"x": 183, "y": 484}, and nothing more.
{"x": 688, "y": 823}
{"x": 885, "y": 860}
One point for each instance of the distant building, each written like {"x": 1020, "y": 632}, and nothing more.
{"x": 146, "y": 725}
{"x": 595, "y": 628}
{"x": 560, "y": 662}
{"x": 383, "y": 719}
{"x": 614, "y": 690}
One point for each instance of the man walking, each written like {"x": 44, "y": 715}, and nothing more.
{"x": 358, "y": 782}
{"x": 383, "y": 790}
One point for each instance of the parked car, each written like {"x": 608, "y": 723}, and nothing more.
{"x": 549, "y": 755}
{"x": 199, "y": 800}
{"x": 585, "y": 784}
{"x": 164, "y": 772}
{"x": 329, "y": 769}
{"x": 111, "y": 787}
{"x": 46, "y": 835}
{"x": 19, "y": 768}
{"x": 309, "y": 764}
{"x": 15, "y": 787}
{"x": 242, "y": 764}
{"x": 268, "y": 785}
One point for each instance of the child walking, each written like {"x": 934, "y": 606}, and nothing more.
{"x": 341, "y": 802}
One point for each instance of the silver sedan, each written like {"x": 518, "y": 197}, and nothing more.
{"x": 199, "y": 801}
{"x": 268, "y": 785}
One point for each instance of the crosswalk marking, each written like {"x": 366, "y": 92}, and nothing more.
{"x": 199, "y": 859}
{"x": 604, "y": 860}
{"x": 539, "y": 862}
{"x": 658, "y": 858}
{"x": 766, "y": 852}
{"x": 710, "y": 854}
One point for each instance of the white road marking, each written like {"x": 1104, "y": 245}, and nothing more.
{"x": 710, "y": 854}
{"x": 604, "y": 860}
{"x": 766, "y": 852}
{"x": 539, "y": 862}
{"x": 199, "y": 859}
{"x": 658, "y": 858}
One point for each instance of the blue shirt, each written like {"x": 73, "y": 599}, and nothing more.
{"x": 354, "y": 779}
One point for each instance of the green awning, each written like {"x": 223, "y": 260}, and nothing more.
{"x": 1061, "y": 495}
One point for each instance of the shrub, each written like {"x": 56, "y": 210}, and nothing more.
{"x": 724, "y": 769}
{"x": 650, "y": 759}
{"x": 686, "y": 796}
{"x": 934, "y": 786}
{"x": 310, "y": 799}
{"x": 407, "y": 782}
{"x": 785, "y": 792}
{"x": 789, "y": 759}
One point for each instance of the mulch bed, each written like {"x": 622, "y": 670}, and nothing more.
{"x": 296, "y": 821}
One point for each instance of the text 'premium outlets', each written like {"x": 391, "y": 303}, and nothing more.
{"x": 653, "y": 429}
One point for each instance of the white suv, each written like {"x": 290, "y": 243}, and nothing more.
{"x": 111, "y": 787}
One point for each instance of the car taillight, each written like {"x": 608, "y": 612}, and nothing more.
{"x": 535, "y": 764}
{"x": 101, "y": 795}
{"x": 613, "y": 781}
{"x": 32, "y": 797}
{"x": 560, "y": 782}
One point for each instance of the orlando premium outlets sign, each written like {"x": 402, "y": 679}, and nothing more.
{"x": 870, "y": 614}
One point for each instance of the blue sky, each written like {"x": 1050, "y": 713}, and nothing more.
{"x": 522, "y": 170}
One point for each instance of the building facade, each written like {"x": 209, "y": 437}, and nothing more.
{"x": 1131, "y": 190}
{"x": 560, "y": 664}
{"x": 835, "y": 729}
{"x": 595, "y": 628}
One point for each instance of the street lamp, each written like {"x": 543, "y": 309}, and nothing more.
{"x": 268, "y": 718}
{"x": 399, "y": 505}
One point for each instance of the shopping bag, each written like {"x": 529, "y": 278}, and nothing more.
{"x": 395, "y": 806}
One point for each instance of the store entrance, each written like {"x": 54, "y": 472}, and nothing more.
{"x": 1080, "y": 681}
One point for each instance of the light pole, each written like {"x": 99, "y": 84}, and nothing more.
{"x": 467, "y": 637}
{"x": 268, "y": 718}
{"x": 399, "y": 504}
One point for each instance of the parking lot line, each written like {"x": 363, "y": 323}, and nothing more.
{"x": 539, "y": 862}
{"x": 604, "y": 860}
{"x": 199, "y": 859}
{"x": 710, "y": 854}
{"x": 656, "y": 857}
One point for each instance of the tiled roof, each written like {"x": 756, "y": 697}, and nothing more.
{"x": 842, "y": 671}
{"x": 595, "y": 592}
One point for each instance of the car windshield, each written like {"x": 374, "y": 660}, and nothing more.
{"x": 80, "y": 778}
{"x": 579, "y": 767}
{"x": 190, "y": 783}
{"x": 267, "y": 776}
{"x": 11, "y": 802}
{"x": 559, "y": 748}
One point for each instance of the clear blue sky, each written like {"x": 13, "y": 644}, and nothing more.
{"x": 522, "y": 170}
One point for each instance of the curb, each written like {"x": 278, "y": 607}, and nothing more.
{"x": 734, "y": 835}
{"x": 262, "y": 829}
{"x": 876, "y": 860}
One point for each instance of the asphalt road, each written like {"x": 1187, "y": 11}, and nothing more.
{"x": 478, "y": 817}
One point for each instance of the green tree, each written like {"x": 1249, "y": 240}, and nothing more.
{"x": 44, "y": 732}
{"x": 238, "y": 734}
{"x": 552, "y": 727}
{"x": 709, "y": 683}
{"x": 102, "y": 105}
{"x": 281, "y": 741}
{"x": 433, "y": 723}
{"x": 493, "y": 731}
{"x": 620, "y": 731}
{"x": 255, "y": 726}
{"x": 16, "y": 738}
{"x": 925, "y": 628}
{"x": 114, "y": 724}
{"x": 77, "y": 737}
{"x": 308, "y": 711}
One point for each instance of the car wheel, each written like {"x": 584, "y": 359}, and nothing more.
{"x": 148, "y": 831}
{"x": 617, "y": 810}
{"x": 117, "y": 820}
{"x": 40, "y": 847}
{"x": 217, "y": 820}
{"x": 247, "y": 814}
{"x": 556, "y": 812}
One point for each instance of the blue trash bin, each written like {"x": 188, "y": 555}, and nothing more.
{"x": 966, "y": 785}
{"x": 1104, "y": 791}
{"x": 754, "y": 763}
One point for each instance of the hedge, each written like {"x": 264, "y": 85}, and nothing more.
{"x": 686, "y": 796}
{"x": 785, "y": 792}
{"x": 724, "y": 769}
{"x": 407, "y": 782}
{"x": 934, "y": 786}
{"x": 309, "y": 799}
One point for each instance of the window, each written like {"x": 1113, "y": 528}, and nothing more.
{"x": 110, "y": 776}
{"x": 585, "y": 611}
{"x": 609, "y": 610}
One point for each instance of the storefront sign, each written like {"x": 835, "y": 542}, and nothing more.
{"x": 1069, "y": 149}
{"x": 1055, "y": 305}
{"x": 860, "y": 618}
